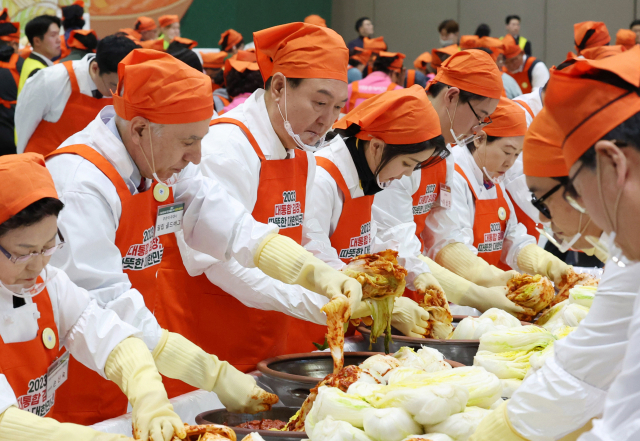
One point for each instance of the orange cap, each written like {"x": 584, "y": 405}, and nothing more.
{"x": 162, "y": 89}
{"x": 228, "y": 39}
{"x": 626, "y": 38}
{"x": 241, "y": 61}
{"x": 374, "y": 44}
{"x": 508, "y": 120}
{"x": 469, "y": 42}
{"x": 436, "y": 58}
{"x": 156, "y": 45}
{"x": 145, "y": 24}
{"x": 10, "y": 31}
{"x": 316, "y": 20}
{"x": 85, "y": 40}
{"x": 300, "y": 50}
{"x": 542, "y": 149}
{"x": 213, "y": 60}
{"x": 378, "y": 117}
{"x": 472, "y": 71}
{"x": 189, "y": 44}
{"x": 396, "y": 64}
{"x": 590, "y": 34}
{"x": 591, "y": 97}
{"x": 168, "y": 20}
{"x": 29, "y": 181}
{"x": 363, "y": 56}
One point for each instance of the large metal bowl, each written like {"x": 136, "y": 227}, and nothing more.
{"x": 461, "y": 351}
{"x": 222, "y": 416}
{"x": 291, "y": 377}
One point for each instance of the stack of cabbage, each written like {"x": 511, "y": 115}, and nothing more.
{"x": 418, "y": 393}
{"x": 494, "y": 319}
{"x": 569, "y": 312}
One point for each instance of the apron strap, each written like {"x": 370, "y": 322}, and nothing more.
{"x": 459, "y": 170}
{"x": 100, "y": 162}
{"x": 72, "y": 76}
{"x": 246, "y": 132}
{"x": 332, "y": 169}
{"x": 525, "y": 106}
{"x": 391, "y": 87}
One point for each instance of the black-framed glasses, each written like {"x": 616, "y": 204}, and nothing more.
{"x": 481, "y": 123}
{"x": 539, "y": 203}
{"x": 27, "y": 257}
{"x": 570, "y": 194}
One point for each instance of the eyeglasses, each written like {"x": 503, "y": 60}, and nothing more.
{"x": 27, "y": 257}
{"x": 481, "y": 123}
{"x": 539, "y": 203}
{"x": 570, "y": 194}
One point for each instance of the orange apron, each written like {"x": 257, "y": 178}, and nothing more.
{"x": 411, "y": 77}
{"x": 356, "y": 95}
{"x": 218, "y": 322}
{"x": 423, "y": 199}
{"x": 526, "y": 107}
{"x": 352, "y": 235}
{"x": 523, "y": 77}
{"x": 25, "y": 364}
{"x": 79, "y": 111}
{"x": 488, "y": 227}
{"x": 524, "y": 219}
{"x": 87, "y": 398}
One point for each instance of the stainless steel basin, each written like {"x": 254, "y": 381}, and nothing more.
{"x": 222, "y": 416}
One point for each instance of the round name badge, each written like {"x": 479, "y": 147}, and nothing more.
{"x": 49, "y": 338}
{"x": 502, "y": 213}
{"x": 161, "y": 192}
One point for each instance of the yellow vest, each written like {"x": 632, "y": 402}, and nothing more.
{"x": 30, "y": 64}
{"x": 522, "y": 43}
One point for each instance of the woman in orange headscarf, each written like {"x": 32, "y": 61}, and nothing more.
{"x": 231, "y": 41}
{"x": 242, "y": 78}
{"x": 372, "y": 150}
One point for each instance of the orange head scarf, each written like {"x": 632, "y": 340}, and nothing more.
{"x": 30, "y": 181}
{"x": 591, "y": 97}
{"x": 300, "y": 50}
{"x": 495, "y": 45}
{"x": 213, "y": 60}
{"x": 168, "y": 20}
{"x": 378, "y": 117}
{"x": 374, "y": 44}
{"x": 472, "y": 71}
{"x": 626, "y": 38}
{"x": 131, "y": 34}
{"x": 542, "y": 149}
{"x": 228, "y": 39}
{"x": 469, "y": 42}
{"x": 157, "y": 45}
{"x": 145, "y": 24}
{"x": 398, "y": 59}
{"x": 590, "y": 34}
{"x": 185, "y": 42}
{"x": 510, "y": 47}
{"x": 595, "y": 53}
{"x": 422, "y": 60}
{"x": 316, "y": 20}
{"x": 162, "y": 89}
{"x": 85, "y": 40}
{"x": 361, "y": 55}
{"x": 10, "y": 31}
{"x": 241, "y": 61}
{"x": 508, "y": 120}
{"x": 437, "y": 54}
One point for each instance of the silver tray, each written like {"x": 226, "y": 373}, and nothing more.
{"x": 222, "y": 416}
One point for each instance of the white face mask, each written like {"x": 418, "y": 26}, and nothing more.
{"x": 382, "y": 185}
{"x": 26, "y": 293}
{"x": 287, "y": 127}
{"x": 566, "y": 244}
{"x": 495, "y": 181}
{"x": 173, "y": 180}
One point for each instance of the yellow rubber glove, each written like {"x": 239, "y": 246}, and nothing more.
{"x": 573, "y": 436}
{"x": 178, "y": 358}
{"x": 427, "y": 281}
{"x": 20, "y": 425}
{"x": 408, "y": 317}
{"x": 535, "y": 260}
{"x": 496, "y": 426}
{"x": 282, "y": 258}
{"x": 459, "y": 259}
{"x": 462, "y": 292}
{"x": 131, "y": 367}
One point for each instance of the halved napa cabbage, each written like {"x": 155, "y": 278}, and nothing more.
{"x": 524, "y": 338}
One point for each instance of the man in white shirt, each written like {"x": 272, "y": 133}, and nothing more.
{"x": 43, "y": 33}
{"x": 62, "y": 100}
{"x": 528, "y": 71}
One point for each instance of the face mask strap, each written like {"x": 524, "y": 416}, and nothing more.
{"x": 612, "y": 221}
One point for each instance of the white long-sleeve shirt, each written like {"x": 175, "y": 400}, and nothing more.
{"x": 213, "y": 222}
{"x": 456, "y": 224}
{"x": 227, "y": 155}
{"x": 534, "y": 101}
{"x": 324, "y": 214}
{"x": 87, "y": 331}
{"x": 45, "y": 96}
{"x": 571, "y": 387}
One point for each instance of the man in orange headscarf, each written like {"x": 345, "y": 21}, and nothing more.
{"x": 496, "y": 47}
{"x": 438, "y": 56}
{"x": 81, "y": 42}
{"x": 261, "y": 152}
{"x": 133, "y": 185}
{"x": 529, "y": 72}
{"x": 147, "y": 28}
{"x": 588, "y": 34}
{"x": 169, "y": 28}
{"x": 212, "y": 63}
{"x": 358, "y": 62}
{"x": 231, "y": 41}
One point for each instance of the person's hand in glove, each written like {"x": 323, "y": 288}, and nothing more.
{"x": 178, "y": 358}
{"x": 426, "y": 281}
{"x": 535, "y": 260}
{"x": 459, "y": 259}
{"x": 408, "y": 317}
{"x": 132, "y": 368}
{"x": 496, "y": 426}
{"x": 283, "y": 259}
